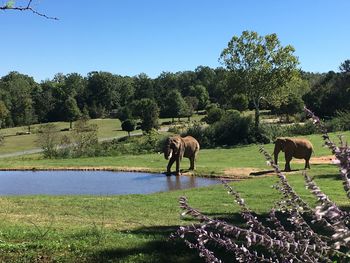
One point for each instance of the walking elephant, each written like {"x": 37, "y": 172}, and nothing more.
{"x": 177, "y": 147}
{"x": 293, "y": 147}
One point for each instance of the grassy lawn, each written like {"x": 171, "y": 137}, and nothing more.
{"x": 130, "y": 228}
{"x": 210, "y": 161}
{"x": 136, "y": 228}
{"x": 107, "y": 128}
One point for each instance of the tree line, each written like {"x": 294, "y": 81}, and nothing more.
{"x": 258, "y": 73}
{"x": 101, "y": 94}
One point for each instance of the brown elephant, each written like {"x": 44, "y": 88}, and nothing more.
{"x": 177, "y": 147}
{"x": 293, "y": 147}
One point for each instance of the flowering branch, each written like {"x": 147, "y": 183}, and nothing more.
{"x": 342, "y": 152}
{"x": 319, "y": 234}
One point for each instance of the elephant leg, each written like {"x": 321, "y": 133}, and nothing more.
{"x": 171, "y": 161}
{"x": 288, "y": 159}
{"x": 177, "y": 166}
{"x": 307, "y": 163}
{"x": 191, "y": 163}
{"x": 193, "y": 160}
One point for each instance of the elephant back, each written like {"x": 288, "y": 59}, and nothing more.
{"x": 304, "y": 148}
{"x": 191, "y": 146}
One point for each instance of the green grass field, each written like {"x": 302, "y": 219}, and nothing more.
{"x": 130, "y": 228}
{"x": 107, "y": 129}
{"x": 136, "y": 228}
{"x": 210, "y": 161}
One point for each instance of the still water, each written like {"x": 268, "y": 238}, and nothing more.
{"x": 93, "y": 183}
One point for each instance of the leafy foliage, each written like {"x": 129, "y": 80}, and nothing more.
{"x": 260, "y": 65}
{"x": 147, "y": 110}
{"x": 219, "y": 133}
{"x": 128, "y": 125}
{"x": 320, "y": 234}
{"x": 48, "y": 140}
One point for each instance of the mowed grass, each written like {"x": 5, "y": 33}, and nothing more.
{"x": 132, "y": 228}
{"x": 211, "y": 162}
{"x": 136, "y": 228}
{"x": 107, "y": 129}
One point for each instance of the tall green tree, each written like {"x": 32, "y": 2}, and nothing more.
{"x": 147, "y": 110}
{"x": 201, "y": 93}
{"x": 4, "y": 112}
{"x": 16, "y": 90}
{"x": 102, "y": 92}
{"x": 72, "y": 111}
{"x": 144, "y": 87}
{"x": 261, "y": 65}
{"x": 175, "y": 105}
{"x": 128, "y": 125}
{"x": 345, "y": 66}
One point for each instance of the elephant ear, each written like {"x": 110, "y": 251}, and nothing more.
{"x": 181, "y": 149}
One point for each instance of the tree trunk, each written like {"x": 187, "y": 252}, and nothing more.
{"x": 257, "y": 117}
{"x": 70, "y": 125}
{"x": 129, "y": 133}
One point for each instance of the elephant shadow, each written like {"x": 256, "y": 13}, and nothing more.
{"x": 265, "y": 172}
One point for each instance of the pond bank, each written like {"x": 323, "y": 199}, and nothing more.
{"x": 230, "y": 175}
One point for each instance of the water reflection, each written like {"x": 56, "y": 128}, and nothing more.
{"x": 93, "y": 183}
{"x": 177, "y": 182}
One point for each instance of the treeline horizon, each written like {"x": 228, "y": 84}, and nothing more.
{"x": 100, "y": 94}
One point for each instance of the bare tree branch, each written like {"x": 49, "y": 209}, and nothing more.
{"x": 28, "y": 7}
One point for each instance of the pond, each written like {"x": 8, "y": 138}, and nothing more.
{"x": 93, "y": 183}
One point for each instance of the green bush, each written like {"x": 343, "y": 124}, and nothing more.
{"x": 231, "y": 129}
{"x": 201, "y": 133}
{"x": 302, "y": 129}
{"x": 273, "y": 131}
{"x": 148, "y": 143}
{"x": 214, "y": 114}
{"x": 339, "y": 123}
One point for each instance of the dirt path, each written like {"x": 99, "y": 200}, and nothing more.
{"x": 328, "y": 159}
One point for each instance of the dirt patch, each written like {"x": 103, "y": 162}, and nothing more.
{"x": 240, "y": 172}
{"x": 329, "y": 159}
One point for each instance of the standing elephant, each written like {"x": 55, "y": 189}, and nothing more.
{"x": 298, "y": 148}
{"x": 177, "y": 147}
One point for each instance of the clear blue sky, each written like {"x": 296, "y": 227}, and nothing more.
{"x": 128, "y": 37}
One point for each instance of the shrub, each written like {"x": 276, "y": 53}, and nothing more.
{"x": 148, "y": 143}
{"x": 239, "y": 102}
{"x": 272, "y": 131}
{"x": 84, "y": 139}
{"x": 201, "y": 133}
{"x": 339, "y": 123}
{"x": 128, "y": 125}
{"x": 214, "y": 114}
{"x": 48, "y": 140}
{"x": 302, "y": 129}
{"x": 233, "y": 129}
{"x": 320, "y": 234}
